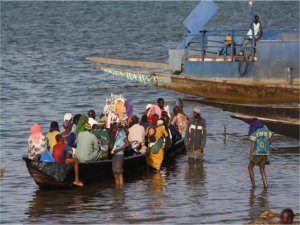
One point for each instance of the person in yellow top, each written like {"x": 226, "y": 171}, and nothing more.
{"x": 53, "y": 131}
{"x": 155, "y": 135}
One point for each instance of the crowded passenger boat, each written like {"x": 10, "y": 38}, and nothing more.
{"x": 114, "y": 137}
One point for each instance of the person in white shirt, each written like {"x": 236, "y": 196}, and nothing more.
{"x": 136, "y": 134}
{"x": 258, "y": 32}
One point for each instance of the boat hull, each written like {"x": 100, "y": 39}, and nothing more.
{"x": 52, "y": 175}
{"x": 235, "y": 90}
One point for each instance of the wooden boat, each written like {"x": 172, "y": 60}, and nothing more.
{"x": 53, "y": 175}
{"x": 215, "y": 64}
{"x": 286, "y": 128}
{"x": 280, "y": 119}
{"x": 236, "y": 90}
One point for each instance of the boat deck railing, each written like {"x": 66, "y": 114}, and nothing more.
{"x": 227, "y": 45}
{"x": 216, "y": 43}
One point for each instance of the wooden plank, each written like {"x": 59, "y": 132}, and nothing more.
{"x": 129, "y": 62}
{"x": 285, "y": 128}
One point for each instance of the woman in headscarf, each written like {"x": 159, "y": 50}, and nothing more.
{"x": 37, "y": 143}
{"x": 155, "y": 134}
{"x": 67, "y": 133}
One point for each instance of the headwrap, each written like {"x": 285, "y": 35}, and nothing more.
{"x": 68, "y": 121}
{"x": 154, "y": 110}
{"x": 152, "y": 119}
{"x": 36, "y": 133}
{"x": 255, "y": 124}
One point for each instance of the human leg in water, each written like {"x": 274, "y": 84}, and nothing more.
{"x": 263, "y": 175}
{"x": 251, "y": 173}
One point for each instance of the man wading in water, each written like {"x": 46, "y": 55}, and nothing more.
{"x": 261, "y": 138}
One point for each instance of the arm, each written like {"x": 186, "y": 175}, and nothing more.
{"x": 187, "y": 134}
{"x": 203, "y": 139}
{"x": 122, "y": 147}
{"x": 95, "y": 149}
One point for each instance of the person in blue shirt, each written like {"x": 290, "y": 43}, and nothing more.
{"x": 121, "y": 142}
{"x": 261, "y": 138}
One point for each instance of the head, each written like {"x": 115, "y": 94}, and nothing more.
{"x": 196, "y": 112}
{"x": 68, "y": 117}
{"x": 287, "y": 216}
{"x": 256, "y": 19}
{"x": 59, "y": 138}
{"x": 144, "y": 119}
{"x": 176, "y": 110}
{"x": 76, "y": 118}
{"x": 54, "y": 126}
{"x": 166, "y": 119}
{"x": 134, "y": 120}
{"x": 254, "y": 125}
{"x": 94, "y": 127}
{"x": 36, "y": 128}
{"x": 91, "y": 114}
{"x": 152, "y": 120}
{"x": 161, "y": 103}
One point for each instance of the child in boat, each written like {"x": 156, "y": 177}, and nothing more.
{"x": 60, "y": 154}
{"x": 53, "y": 131}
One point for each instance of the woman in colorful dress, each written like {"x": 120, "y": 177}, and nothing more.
{"x": 155, "y": 135}
{"x": 37, "y": 143}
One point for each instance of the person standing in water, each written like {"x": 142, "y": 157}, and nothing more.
{"x": 261, "y": 138}
{"x": 195, "y": 135}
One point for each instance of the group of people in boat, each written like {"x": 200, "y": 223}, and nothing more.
{"x": 118, "y": 133}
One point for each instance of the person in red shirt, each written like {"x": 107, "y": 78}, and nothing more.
{"x": 60, "y": 154}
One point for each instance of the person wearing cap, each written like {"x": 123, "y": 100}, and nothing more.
{"x": 195, "y": 139}
{"x": 261, "y": 138}
{"x": 53, "y": 131}
{"x": 87, "y": 146}
{"x": 68, "y": 121}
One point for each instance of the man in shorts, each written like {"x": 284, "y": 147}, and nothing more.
{"x": 261, "y": 138}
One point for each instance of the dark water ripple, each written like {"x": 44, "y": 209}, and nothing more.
{"x": 44, "y": 74}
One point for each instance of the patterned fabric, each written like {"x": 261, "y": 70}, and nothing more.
{"x": 57, "y": 171}
{"x": 180, "y": 121}
{"x": 35, "y": 149}
{"x": 261, "y": 137}
{"x": 155, "y": 160}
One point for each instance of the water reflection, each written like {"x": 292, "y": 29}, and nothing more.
{"x": 195, "y": 172}
{"x": 258, "y": 202}
{"x": 118, "y": 209}
{"x": 156, "y": 183}
{"x": 60, "y": 203}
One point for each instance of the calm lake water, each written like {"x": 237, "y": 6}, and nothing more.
{"x": 44, "y": 74}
